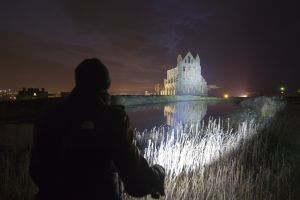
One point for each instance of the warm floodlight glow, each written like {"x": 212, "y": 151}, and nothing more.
{"x": 34, "y": 94}
{"x": 226, "y": 96}
{"x": 282, "y": 89}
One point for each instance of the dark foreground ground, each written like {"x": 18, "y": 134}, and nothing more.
{"x": 284, "y": 136}
{"x": 287, "y": 127}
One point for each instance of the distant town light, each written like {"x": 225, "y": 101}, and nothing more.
{"x": 34, "y": 94}
{"x": 282, "y": 89}
{"x": 226, "y": 96}
{"x": 245, "y": 95}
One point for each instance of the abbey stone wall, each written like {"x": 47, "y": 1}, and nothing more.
{"x": 184, "y": 79}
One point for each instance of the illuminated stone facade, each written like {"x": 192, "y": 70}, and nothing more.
{"x": 185, "y": 112}
{"x": 184, "y": 79}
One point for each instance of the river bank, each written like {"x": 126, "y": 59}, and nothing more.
{"x": 286, "y": 134}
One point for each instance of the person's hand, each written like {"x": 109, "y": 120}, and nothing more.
{"x": 160, "y": 187}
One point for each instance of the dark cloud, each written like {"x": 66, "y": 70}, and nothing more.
{"x": 243, "y": 45}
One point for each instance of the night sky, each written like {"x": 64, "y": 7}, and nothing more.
{"x": 243, "y": 45}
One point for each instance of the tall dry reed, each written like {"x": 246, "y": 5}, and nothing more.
{"x": 214, "y": 160}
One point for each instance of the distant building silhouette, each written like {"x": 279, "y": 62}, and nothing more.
{"x": 32, "y": 93}
{"x": 184, "y": 79}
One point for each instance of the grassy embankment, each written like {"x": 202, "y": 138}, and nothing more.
{"x": 263, "y": 166}
{"x": 252, "y": 161}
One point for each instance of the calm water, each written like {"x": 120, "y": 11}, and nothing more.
{"x": 146, "y": 117}
{"x": 142, "y": 117}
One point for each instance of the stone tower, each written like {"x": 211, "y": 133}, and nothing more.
{"x": 189, "y": 78}
{"x": 185, "y": 78}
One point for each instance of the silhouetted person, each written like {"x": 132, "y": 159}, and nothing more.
{"x": 82, "y": 145}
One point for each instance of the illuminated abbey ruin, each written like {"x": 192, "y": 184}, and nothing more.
{"x": 184, "y": 79}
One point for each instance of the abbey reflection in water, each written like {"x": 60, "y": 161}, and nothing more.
{"x": 185, "y": 112}
{"x": 156, "y": 115}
